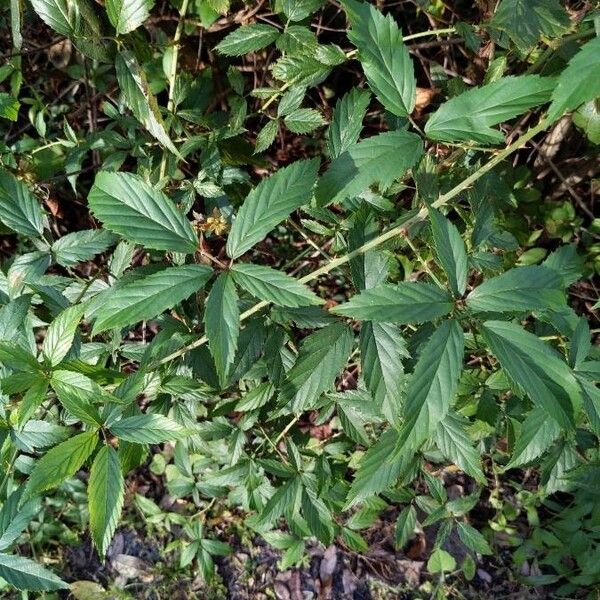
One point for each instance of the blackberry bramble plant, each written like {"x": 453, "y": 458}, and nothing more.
{"x": 299, "y": 271}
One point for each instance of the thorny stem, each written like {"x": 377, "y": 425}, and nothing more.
{"x": 173, "y": 74}
{"x": 399, "y": 230}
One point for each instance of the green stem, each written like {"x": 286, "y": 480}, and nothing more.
{"x": 421, "y": 34}
{"x": 173, "y": 74}
{"x": 401, "y": 229}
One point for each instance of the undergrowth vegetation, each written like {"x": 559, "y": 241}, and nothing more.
{"x": 286, "y": 272}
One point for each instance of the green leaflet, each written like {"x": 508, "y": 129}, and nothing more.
{"x": 405, "y": 526}
{"x": 140, "y": 100}
{"x": 222, "y": 323}
{"x": 266, "y": 136}
{"x": 297, "y": 10}
{"x": 322, "y": 356}
{"x": 32, "y": 398}
{"x": 14, "y": 517}
{"x": 567, "y": 263}
{"x": 472, "y": 539}
{"x": 282, "y": 500}
{"x": 579, "y": 82}
{"x": 521, "y": 289}
{"x": 78, "y": 394}
{"x": 581, "y": 343}
{"x": 269, "y": 203}
{"x": 384, "y": 57}
{"x": 127, "y": 15}
{"x": 472, "y": 115}
{"x": 452, "y": 439}
{"x": 148, "y": 297}
{"x": 127, "y": 205}
{"x": 291, "y": 100}
{"x": 25, "y": 574}
{"x": 272, "y": 285}
{"x": 248, "y": 38}
{"x": 525, "y": 21}
{"x": 16, "y": 357}
{"x": 81, "y": 246}
{"x": 105, "y": 497}
{"x": 354, "y": 410}
{"x": 304, "y": 120}
{"x": 591, "y": 403}
{"x": 381, "y": 159}
{"x": 587, "y": 118}
{"x": 27, "y": 269}
{"x": 19, "y": 208}
{"x": 441, "y": 561}
{"x": 538, "y": 432}
{"x": 61, "y": 462}
{"x": 450, "y": 250}
{"x": 147, "y": 429}
{"x": 61, "y": 332}
{"x": 432, "y": 385}
{"x": 535, "y": 368}
{"x": 346, "y": 123}
{"x": 60, "y": 15}
{"x": 9, "y": 107}
{"x": 379, "y": 469}
{"x": 371, "y": 268}
{"x": 12, "y": 316}
{"x": 381, "y": 350}
{"x": 303, "y": 69}
{"x": 318, "y": 517}
{"x": 405, "y": 302}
